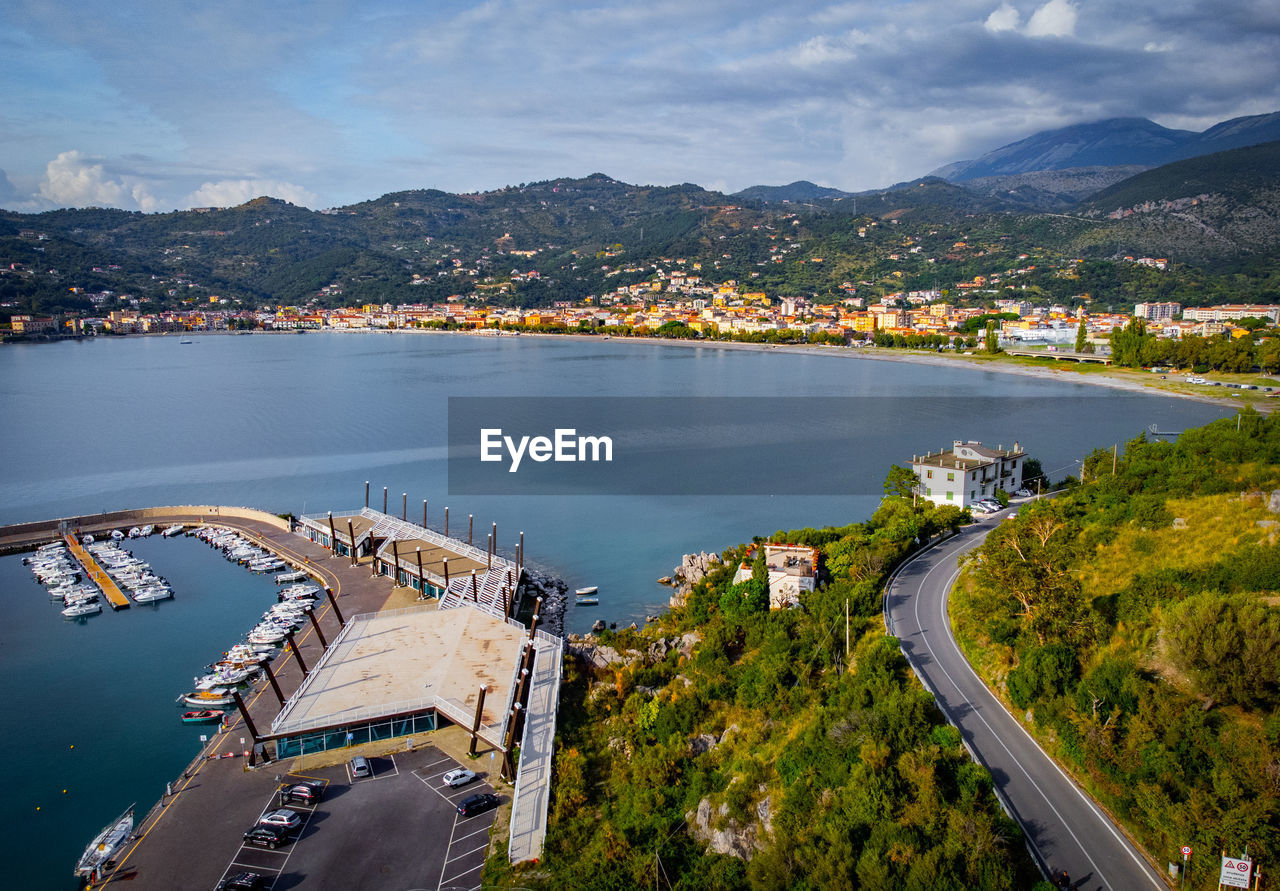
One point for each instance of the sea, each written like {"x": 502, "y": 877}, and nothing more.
{"x": 300, "y": 423}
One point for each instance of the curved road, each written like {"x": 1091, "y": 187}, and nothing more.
{"x": 1066, "y": 829}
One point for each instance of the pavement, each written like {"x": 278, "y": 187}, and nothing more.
{"x": 1066, "y": 829}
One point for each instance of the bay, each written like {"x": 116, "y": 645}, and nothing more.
{"x": 299, "y": 423}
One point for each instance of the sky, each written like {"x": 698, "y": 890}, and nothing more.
{"x": 156, "y": 106}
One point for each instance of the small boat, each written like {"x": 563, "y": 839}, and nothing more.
{"x": 146, "y": 530}
{"x": 286, "y": 578}
{"x": 135, "y": 532}
{"x": 152, "y": 594}
{"x": 587, "y": 592}
{"x": 218, "y": 696}
{"x": 105, "y": 845}
{"x": 172, "y": 531}
{"x": 203, "y": 716}
{"x": 87, "y": 540}
{"x": 85, "y": 608}
{"x": 116, "y": 535}
{"x": 588, "y": 601}
{"x": 184, "y": 341}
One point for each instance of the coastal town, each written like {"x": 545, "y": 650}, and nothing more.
{"x": 680, "y": 305}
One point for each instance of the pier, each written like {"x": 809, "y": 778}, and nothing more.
{"x": 97, "y": 574}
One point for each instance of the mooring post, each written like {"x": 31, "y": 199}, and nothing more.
{"x": 470, "y": 524}
{"x": 422, "y": 579}
{"x": 489, "y": 551}
{"x": 475, "y": 591}
{"x": 395, "y": 570}
{"x": 475, "y": 725}
{"x": 424, "y": 513}
{"x": 446, "y": 575}
{"x": 297, "y": 653}
{"x": 351, "y": 531}
{"x": 366, "y": 493}
{"x": 446, "y": 521}
{"x": 384, "y": 499}
{"x": 404, "y": 506}
{"x": 333, "y": 537}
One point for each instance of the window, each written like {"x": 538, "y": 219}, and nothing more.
{"x": 950, "y": 477}
{"x": 929, "y": 474}
{"x": 928, "y": 493}
{"x": 951, "y": 496}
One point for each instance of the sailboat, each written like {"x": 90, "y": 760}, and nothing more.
{"x": 104, "y": 846}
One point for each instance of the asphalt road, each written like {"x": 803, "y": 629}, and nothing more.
{"x": 1066, "y": 829}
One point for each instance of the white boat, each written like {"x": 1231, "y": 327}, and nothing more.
{"x": 116, "y": 535}
{"x": 105, "y": 845}
{"x": 218, "y": 696}
{"x": 135, "y": 532}
{"x": 172, "y": 531}
{"x": 587, "y": 592}
{"x": 83, "y": 608}
{"x": 152, "y": 594}
{"x": 146, "y": 530}
{"x": 286, "y": 578}
{"x": 87, "y": 540}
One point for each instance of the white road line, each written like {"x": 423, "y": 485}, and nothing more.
{"x": 452, "y": 828}
{"x": 477, "y": 832}
{"x": 466, "y": 853}
{"x": 457, "y": 876}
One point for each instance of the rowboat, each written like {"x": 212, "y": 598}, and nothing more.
{"x": 204, "y": 716}
{"x": 217, "y": 697}
{"x": 587, "y": 592}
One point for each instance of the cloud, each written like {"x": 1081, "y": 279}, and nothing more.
{"x": 8, "y": 191}
{"x": 75, "y": 180}
{"x": 1057, "y": 18}
{"x": 1003, "y": 19}
{"x": 230, "y": 192}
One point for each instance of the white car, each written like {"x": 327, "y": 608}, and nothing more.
{"x": 459, "y": 777}
{"x": 981, "y": 508}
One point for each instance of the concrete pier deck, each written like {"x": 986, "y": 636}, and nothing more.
{"x": 97, "y": 574}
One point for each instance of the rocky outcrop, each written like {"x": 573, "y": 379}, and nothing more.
{"x": 693, "y": 568}
{"x": 734, "y": 838}
{"x": 1273, "y": 503}
{"x": 588, "y": 648}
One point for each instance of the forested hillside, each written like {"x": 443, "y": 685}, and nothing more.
{"x": 730, "y": 728}
{"x": 1133, "y": 623}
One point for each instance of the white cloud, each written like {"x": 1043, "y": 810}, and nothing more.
{"x": 75, "y": 180}
{"x": 230, "y": 192}
{"x": 1057, "y": 18}
{"x": 1003, "y": 19}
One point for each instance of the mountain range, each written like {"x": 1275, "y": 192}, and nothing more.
{"x": 1054, "y": 168}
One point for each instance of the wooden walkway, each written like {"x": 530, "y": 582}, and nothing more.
{"x": 97, "y": 574}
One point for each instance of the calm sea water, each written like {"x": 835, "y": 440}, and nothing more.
{"x": 299, "y": 423}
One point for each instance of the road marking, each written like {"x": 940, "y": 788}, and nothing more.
{"x": 459, "y": 875}
{"x": 920, "y": 583}
{"x": 467, "y": 853}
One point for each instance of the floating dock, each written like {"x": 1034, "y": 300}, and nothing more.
{"x": 97, "y": 574}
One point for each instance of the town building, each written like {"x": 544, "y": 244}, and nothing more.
{"x": 1157, "y": 312}
{"x": 793, "y": 570}
{"x": 967, "y": 473}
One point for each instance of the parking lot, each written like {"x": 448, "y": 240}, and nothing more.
{"x": 396, "y": 829}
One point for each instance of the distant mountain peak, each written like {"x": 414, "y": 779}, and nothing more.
{"x": 800, "y": 190}
{"x": 1112, "y": 142}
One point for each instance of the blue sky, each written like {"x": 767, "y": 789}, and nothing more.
{"x": 157, "y": 105}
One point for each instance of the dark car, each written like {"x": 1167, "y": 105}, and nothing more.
{"x": 304, "y": 793}
{"x": 478, "y": 803}
{"x": 267, "y": 836}
{"x": 243, "y": 881}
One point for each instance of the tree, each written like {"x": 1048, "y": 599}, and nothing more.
{"x": 1082, "y": 339}
{"x": 993, "y": 340}
{"x": 900, "y": 482}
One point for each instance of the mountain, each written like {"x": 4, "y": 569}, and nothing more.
{"x": 801, "y": 190}
{"x": 1113, "y": 142}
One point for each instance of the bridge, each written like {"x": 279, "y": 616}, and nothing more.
{"x": 1064, "y": 355}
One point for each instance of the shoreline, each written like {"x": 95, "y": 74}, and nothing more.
{"x": 1111, "y": 378}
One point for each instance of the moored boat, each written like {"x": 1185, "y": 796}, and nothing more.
{"x": 587, "y": 592}
{"x": 203, "y": 716}
{"x": 105, "y": 845}
{"x": 588, "y": 601}
{"x": 84, "y": 608}
{"x": 215, "y": 698}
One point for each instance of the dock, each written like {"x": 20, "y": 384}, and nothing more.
{"x": 97, "y": 574}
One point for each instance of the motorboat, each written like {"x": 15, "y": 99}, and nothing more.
{"x": 286, "y": 578}
{"x": 587, "y": 592}
{"x": 214, "y": 698}
{"x": 146, "y": 530}
{"x": 104, "y": 846}
{"x": 135, "y": 532}
{"x": 172, "y": 531}
{"x": 116, "y": 535}
{"x": 85, "y": 608}
{"x": 203, "y": 716}
{"x": 152, "y": 594}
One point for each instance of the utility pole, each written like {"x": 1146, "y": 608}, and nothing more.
{"x": 1114, "y": 452}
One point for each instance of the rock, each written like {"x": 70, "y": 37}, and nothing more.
{"x": 1273, "y": 503}
{"x": 729, "y": 731}
{"x": 702, "y": 743}
{"x": 647, "y": 691}
{"x": 692, "y": 569}
{"x": 687, "y": 641}
{"x": 1266, "y": 524}
{"x": 657, "y": 651}
{"x": 598, "y": 625}
{"x": 1179, "y": 522}
{"x": 735, "y": 840}
{"x": 665, "y": 580}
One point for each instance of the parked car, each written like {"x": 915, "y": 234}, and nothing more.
{"x": 304, "y": 793}
{"x": 1024, "y": 492}
{"x": 459, "y": 777}
{"x": 980, "y": 507}
{"x": 243, "y": 881}
{"x": 284, "y": 817}
{"x": 267, "y": 836}
{"x": 991, "y": 504}
{"x": 360, "y": 767}
{"x": 476, "y": 804}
